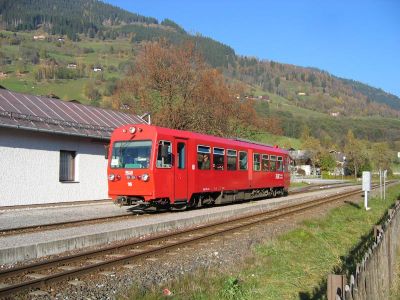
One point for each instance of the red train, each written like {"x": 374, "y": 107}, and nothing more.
{"x": 166, "y": 168}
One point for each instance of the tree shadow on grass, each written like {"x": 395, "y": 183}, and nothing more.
{"x": 356, "y": 205}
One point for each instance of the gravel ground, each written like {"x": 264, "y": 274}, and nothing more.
{"x": 221, "y": 253}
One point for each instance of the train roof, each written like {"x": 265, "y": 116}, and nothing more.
{"x": 211, "y": 138}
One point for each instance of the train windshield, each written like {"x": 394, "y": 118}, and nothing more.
{"x": 131, "y": 155}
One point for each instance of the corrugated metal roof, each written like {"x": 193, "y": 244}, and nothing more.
{"x": 61, "y": 117}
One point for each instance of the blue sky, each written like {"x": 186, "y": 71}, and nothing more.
{"x": 358, "y": 40}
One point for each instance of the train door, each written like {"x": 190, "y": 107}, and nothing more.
{"x": 286, "y": 170}
{"x": 250, "y": 167}
{"x": 181, "y": 170}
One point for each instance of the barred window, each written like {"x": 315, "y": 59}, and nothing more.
{"x": 67, "y": 165}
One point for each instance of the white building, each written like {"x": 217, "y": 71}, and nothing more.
{"x": 52, "y": 151}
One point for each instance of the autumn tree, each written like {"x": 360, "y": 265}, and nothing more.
{"x": 312, "y": 146}
{"x": 182, "y": 92}
{"x": 382, "y": 156}
{"x": 356, "y": 153}
{"x": 327, "y": 162}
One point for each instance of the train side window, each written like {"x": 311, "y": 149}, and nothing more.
{"x": 164, "y": 154}
{"x": 265, "y": 163}
{"x": 203, "y": 157}
{"x": 256, "y": 162}
{"x": 242, "y": 160}
{"x": 280, "y": 164}
{"x": 232, "y": 160}
{"x": 218, "y": 159}
{"x": 272, "y": 163}
{"x": 181, "y": 155}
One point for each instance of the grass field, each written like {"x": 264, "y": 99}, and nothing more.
{"x": 293, "y": 266}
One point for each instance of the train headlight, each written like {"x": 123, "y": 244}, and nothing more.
{"x": 111, "y": 177}
{"x": 145, "y": 177}
{"x": 132, "y": 130}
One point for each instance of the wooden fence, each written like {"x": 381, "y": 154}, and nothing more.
{"x": 374, "y": 274}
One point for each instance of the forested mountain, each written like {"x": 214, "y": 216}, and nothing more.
{"x": 315, "y": 89}
{"x": 69, "y": 17}
{"x": 47, "y": 44}
{"x": 95, "y": 19}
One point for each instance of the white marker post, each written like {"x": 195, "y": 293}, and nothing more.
{"x": 366, "y": 187}
{"x": 380, "y": 183}
{"x": 384, "y": 184}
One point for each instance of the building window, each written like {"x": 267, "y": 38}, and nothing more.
{"x": 232, "y": 160}
{"x": 67, "y": 165}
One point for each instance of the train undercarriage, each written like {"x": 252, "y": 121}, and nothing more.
{"x": 202, "y": 199}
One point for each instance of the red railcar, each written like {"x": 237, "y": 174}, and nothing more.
{"x": 161, "y": 167}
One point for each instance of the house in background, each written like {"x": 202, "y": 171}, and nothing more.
{"x": 52, "y": 151}
{"x": 340, "y": 168}
{"x": 71, "y": 66}
{"x": 301, "y": 162}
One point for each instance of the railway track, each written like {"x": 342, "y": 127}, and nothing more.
{"x": 19, "y": 279}
{"x": 52, "y": 226}
{"x": 58, "y": 225}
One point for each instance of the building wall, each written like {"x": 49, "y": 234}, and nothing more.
{"x": 29, "y": 168}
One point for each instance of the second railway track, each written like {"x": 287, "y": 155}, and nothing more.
{"x": 15, "y": 280}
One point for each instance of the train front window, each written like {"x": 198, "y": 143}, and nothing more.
{"x": 131, "y": 155}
